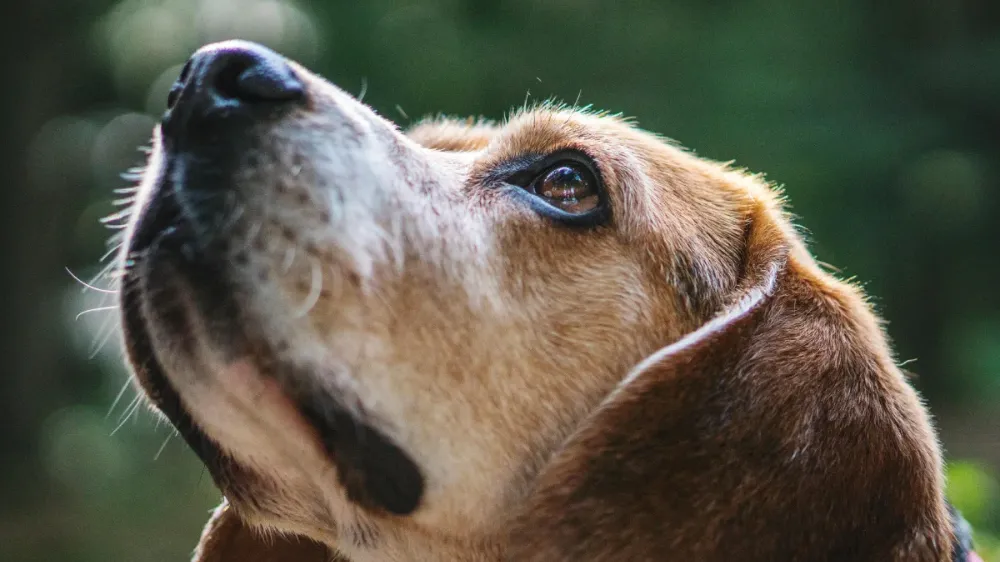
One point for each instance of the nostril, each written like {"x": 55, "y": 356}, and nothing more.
{"x": 256, "y": 76}
{"x": 266, "y": 83}
{"x": 229, "y": 82}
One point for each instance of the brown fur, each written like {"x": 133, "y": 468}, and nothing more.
{"x": 788, "y": 435}
{"x": 228, "y": 538}
{"x": 522, "y": 364}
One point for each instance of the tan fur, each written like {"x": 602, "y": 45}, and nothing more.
{"x": 444, "y": 133}
{"x": 505, "y": 354}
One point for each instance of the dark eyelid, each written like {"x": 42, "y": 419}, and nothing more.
{"x": 507, "y": 169}
{"x": 521, "y": 170}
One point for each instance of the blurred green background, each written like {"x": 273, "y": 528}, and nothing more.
{"x": 882, "y": 119}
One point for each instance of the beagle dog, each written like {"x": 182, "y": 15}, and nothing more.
{"x": 560, "y": 338}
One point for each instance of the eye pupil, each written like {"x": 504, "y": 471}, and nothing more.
{"x": 563, "y": 183}
{"x": 567, "y": 189}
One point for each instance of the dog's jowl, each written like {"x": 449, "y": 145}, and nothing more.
{"x": 556, "y": 338}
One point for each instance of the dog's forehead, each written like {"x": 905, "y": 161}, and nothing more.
{"x": 529, "y": 131}
{"x": 542, "y": 131}
{"x": 620, "y": 151}
{"x": 453, "y": 134}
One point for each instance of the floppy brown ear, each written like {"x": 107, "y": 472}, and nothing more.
{"x": 779, "y": 430}
{"x": 227, "y": 538}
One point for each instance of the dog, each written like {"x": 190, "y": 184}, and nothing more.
{"x": 559, "y": 338}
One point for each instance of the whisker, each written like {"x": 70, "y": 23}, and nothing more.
{"x": 128, "y": 408}
{"x": 315, "y": 287}
{"x": 88, "y": 285}
{"x": 118, "y": 398}
{"x": 286, "y": 264}
{"x": 135, "y": 173}
{"x": 364, "y": 89}
{"x": 103, "y": 335}
{"x": 122, "y": 215}
{"x": 163, "y": 446}
{"x": 96, "y": 309}
{"x": 117, "y": 273}
{"x": 132, "y": 409}
{"x": 112, "y": 251}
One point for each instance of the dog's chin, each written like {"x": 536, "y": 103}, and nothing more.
{"x": 206, "y": 365}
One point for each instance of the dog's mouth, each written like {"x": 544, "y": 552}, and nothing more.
{"x": 180, "y": 295}
{"x": 158, "y": 232}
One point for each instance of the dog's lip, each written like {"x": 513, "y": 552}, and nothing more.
{"x": 153, "y": 378}
{"x": 374, "y": 471}
{"x": 163, "y": 228}
{"x": 228, "y": 473}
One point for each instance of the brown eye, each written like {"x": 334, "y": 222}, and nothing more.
{"x": 570, "y": 187}
{"x": 564, "y": 187}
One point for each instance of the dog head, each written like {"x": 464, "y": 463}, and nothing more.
{"x": 559, "y": 338}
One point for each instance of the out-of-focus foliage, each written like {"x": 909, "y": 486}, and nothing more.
{"x": 882, "y": 119}
{"x": 976, "y": 493}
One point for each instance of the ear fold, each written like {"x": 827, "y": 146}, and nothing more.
{"x": 773, "y": 432}
{"x": 227, "y": 538}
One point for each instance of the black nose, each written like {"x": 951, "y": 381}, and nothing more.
{"x": 229, "y": 81}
